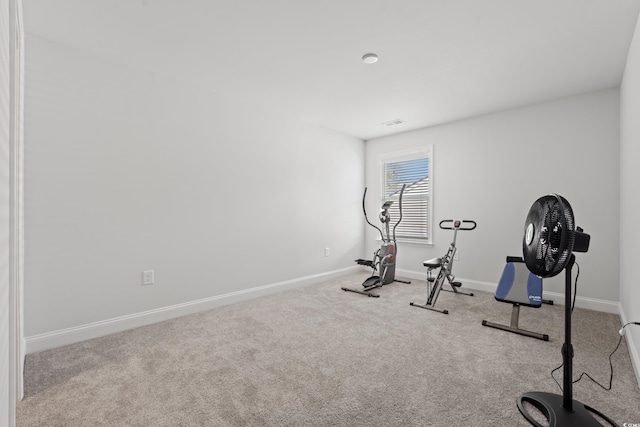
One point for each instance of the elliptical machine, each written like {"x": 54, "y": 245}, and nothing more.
{"x": 385, "y": 257}
{"x": 445, "y": 264}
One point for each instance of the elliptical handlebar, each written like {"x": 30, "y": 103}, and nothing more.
{"x": 458, "y": 224}
{"x": 400, "y": 208}
{"x": 364, "y": 209}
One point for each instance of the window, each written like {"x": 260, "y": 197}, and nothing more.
{"x": 415, "y": 170}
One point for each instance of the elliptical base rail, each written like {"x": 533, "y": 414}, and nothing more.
{"x": 365, "y": 291}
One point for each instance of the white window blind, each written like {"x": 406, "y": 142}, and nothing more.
{"x": 414, "y": 171}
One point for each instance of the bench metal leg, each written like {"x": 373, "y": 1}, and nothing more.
{"x": 515, "y": 315}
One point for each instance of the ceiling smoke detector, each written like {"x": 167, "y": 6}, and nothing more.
{"x": 369, "y": 58}
{"x": 393, "y": 122}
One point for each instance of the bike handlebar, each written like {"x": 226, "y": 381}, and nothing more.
{"x": 458, "y": 224}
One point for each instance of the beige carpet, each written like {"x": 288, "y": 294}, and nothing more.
{"x": 318, "y": 356}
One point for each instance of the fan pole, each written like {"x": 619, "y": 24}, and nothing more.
{"x": 567, "y": 347}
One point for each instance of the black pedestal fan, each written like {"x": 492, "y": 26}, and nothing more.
{"x": 549, "y": 242}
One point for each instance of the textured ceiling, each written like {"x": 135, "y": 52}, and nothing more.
{"x": 440, "y": 60}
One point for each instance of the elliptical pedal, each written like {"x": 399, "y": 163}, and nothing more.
{"x": 365, "y": 262}
{"x": 371, "y": 282}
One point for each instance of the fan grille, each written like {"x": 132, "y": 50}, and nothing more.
{"x": 549, "y": 235}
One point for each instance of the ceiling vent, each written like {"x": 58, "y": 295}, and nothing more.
{"x": 393, "y": 122}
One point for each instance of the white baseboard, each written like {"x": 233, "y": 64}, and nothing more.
{"x": 75, "y": 334}
{"x": 586, "y": 302}
{"x": 631, "y": 345}
{"x": 605, "y": 306}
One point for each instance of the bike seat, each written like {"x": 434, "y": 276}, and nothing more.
{"x": 433, "y": 263}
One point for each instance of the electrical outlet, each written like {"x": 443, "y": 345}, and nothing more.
{"x": 147, "y": 277}
{"x": 326, "y": 252}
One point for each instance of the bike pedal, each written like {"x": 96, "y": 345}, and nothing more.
{"x": 456, "y": 284}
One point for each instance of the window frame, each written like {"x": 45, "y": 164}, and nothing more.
{"x": 400, "y": 156}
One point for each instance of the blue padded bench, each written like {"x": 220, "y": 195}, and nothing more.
{"x": 518, "y": 286}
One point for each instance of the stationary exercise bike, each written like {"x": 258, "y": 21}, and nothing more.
{"x": 445, "y": 264}
{"x": 385, "y": 257}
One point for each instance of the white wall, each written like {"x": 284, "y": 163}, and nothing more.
{"x": 629, "y": 201}
{"x": 128, "y": 170}
{"x": 5, "y": 305}
{"x": 492, "y": 168}
{"x": 6, "y": 372}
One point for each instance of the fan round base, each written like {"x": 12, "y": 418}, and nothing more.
{"x": 551, "y": 406}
